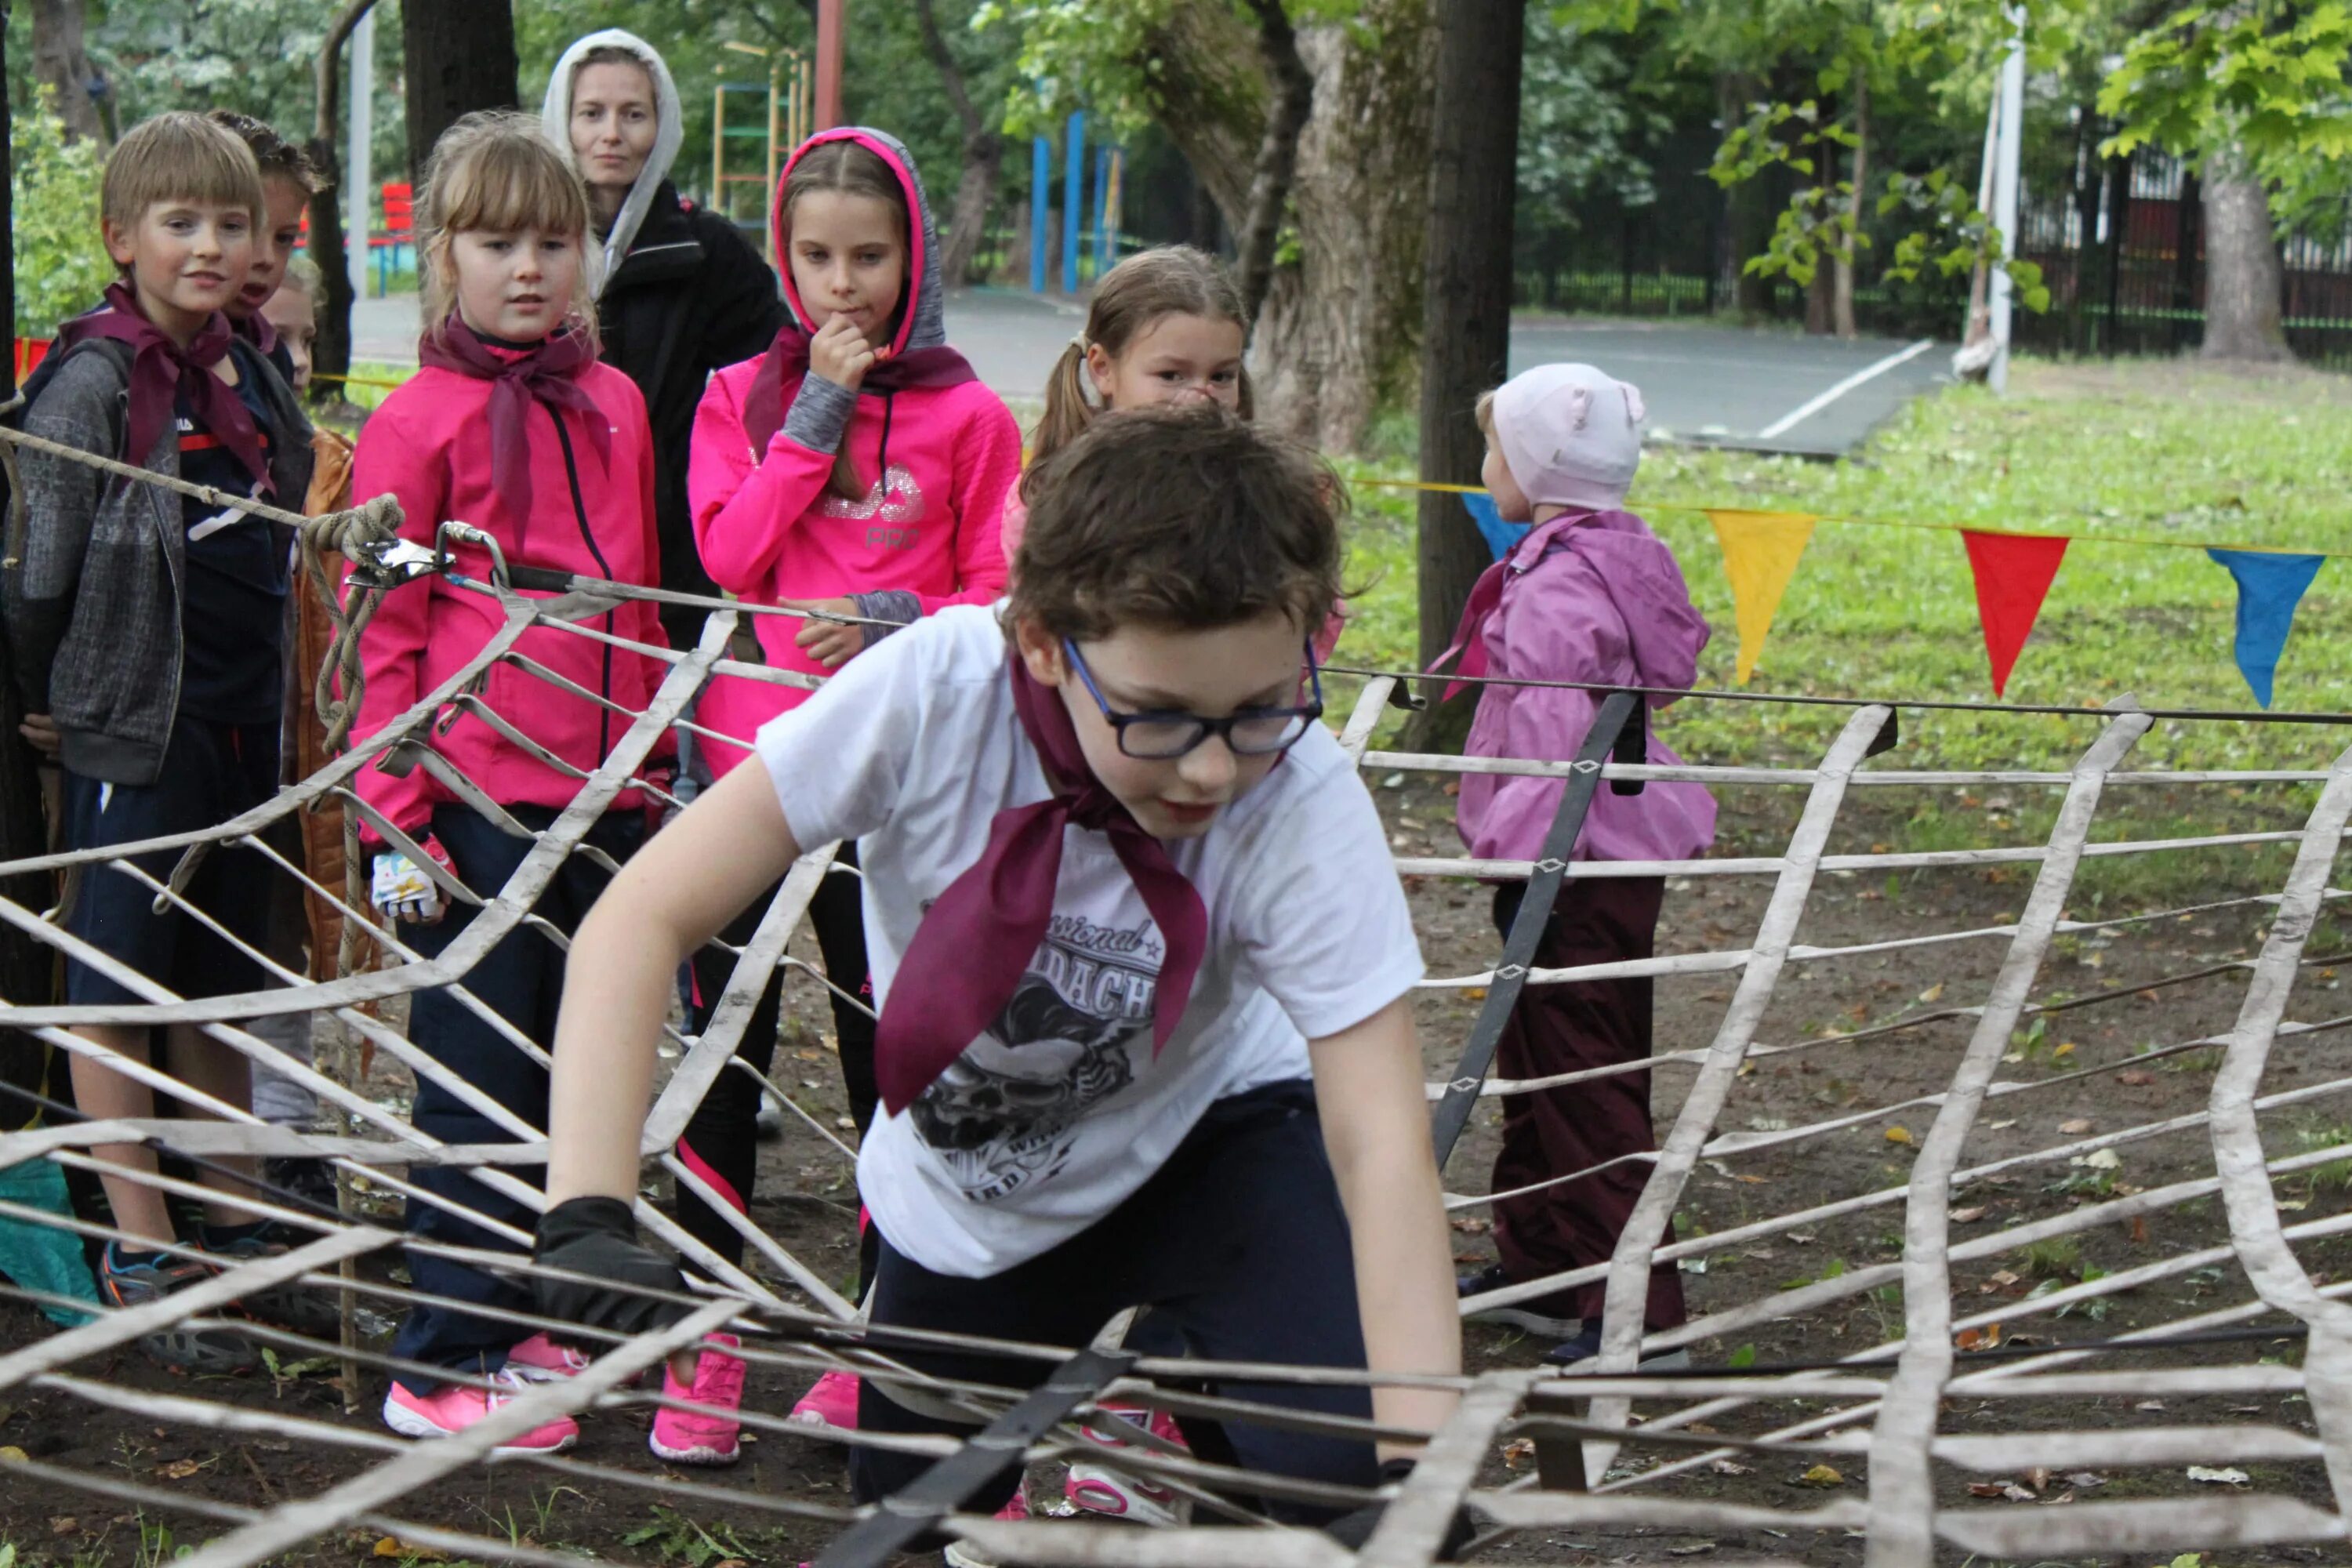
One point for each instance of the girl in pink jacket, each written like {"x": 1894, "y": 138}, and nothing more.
{"x": 858, "y": 469}
{"x": 514, "y": 428}
{"x": 1591, "y": 596}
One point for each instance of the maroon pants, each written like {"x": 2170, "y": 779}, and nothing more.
{"x": 1573, "y": 1027}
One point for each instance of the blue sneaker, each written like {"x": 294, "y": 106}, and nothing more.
{"x": 136, "y": 1280}
{"x": 1586, "y": 1343}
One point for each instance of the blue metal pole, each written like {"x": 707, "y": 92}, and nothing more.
{"x": 1041, "y": 191}
{"x": 1103, "y": 257}
{"x": 1073, "y": 200}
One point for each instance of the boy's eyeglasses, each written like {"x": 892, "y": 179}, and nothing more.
{"x": 1161, "y": 736}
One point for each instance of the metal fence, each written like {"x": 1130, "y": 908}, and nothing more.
{"x": 2120, "y": 242}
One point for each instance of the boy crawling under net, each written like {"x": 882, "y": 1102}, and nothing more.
{"x": 1141, "y": 958}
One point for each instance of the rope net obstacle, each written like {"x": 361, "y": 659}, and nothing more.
{"x": 1982, "y": 1413}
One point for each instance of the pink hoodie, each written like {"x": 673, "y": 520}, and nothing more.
{"x": 770, "y": 529}
{"x": 1596, "y": 597}
{"x": 429, "y": 444}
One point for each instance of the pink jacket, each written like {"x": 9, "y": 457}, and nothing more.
{"x": 429, "y": 444}
{"x": 1587, "y": 596}
{"x": 769, "y": 530}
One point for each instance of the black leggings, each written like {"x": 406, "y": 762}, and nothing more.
{"x": 1239, "y": 1247}
{"x": 720, "y": 1141}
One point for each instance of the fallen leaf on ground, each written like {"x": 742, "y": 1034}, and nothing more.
{"x": 179, "y": 1470}
{"x": 1984, "y": 1338}
{"x": 1900, "y": 1135}
{"x": 1933, "y": 994}
{"x": 2038, "y": 1477}
{"x": 64, "y": 1525}
{"x": 1474, "y": 994}
{"x": 2150, "y": 1405}
{"x": 1518, "y": 1452}
{"x": 1968, "y": 1216}
{"x": 1820, "y": 1476}
{"x": 2065, "y": 1048}
{"x": 14, "y": 1455}
{"x": 1693, "y": 1550}
{"x": 1987, "y": 1488}
{"x": 2015, "y": 1493}
{"x": 2139, "y": 1229}
{"x": 2001, "y": 1281}
{"x": 394, "y": 1546}
{"x": 1732, "y": 1467}
{"x": 2079, "y": 1125}
{"x": 2230, "y": 1477}
{"x": 1473, "y": 1226}
{"x": 2055, "y": 1501}
{"x": 2087, "y": 1480}
{"x": 2136, "y": 1078}
{"x": 1997, "y": 1126}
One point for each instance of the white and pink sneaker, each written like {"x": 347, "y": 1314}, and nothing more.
{"x": 541, "y": 1360}
{"x": 707, "y": 1435}
{"x": 1114, "y": 1493}
{"x": 963, "y": 1555}
{"x": 832, "y": 1402}
{"x": 453, "y": 1408}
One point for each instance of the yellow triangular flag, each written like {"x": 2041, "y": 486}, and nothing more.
{"x": 1759, "y": 556}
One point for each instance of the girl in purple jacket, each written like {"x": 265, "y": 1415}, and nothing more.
{"x": 1590, "y": 595}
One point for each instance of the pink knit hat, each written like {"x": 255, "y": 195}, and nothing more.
{"x": 1571, "y": 435}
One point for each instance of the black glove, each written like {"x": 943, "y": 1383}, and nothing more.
{"x": 598, "y": 1236}
{"x": 1352, "y": 1530}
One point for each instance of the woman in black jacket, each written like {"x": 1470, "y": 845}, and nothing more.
{"x": 680, "y": 293}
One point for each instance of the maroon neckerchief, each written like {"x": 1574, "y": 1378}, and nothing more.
{"x": 787, "y": 359}
{"x": 975, "y": 943}
{"x": 256, "y": 330}
{"x": 162, "y": 371}
{"x": 547, "y": 371}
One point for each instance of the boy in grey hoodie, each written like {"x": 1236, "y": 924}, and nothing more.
{"x": 147, "y": 631}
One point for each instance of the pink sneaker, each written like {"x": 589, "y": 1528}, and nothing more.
{"x": 832, "y": 1403}
{"x": 1099, "y": 1489}
{"x": 453, "y": 1408}
{"x": 964, "y": 1554}
{"x": 541, "y": 1360}
{"x": 702, "y": 1436}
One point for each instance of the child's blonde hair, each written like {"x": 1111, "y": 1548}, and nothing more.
{"x": 857, "y": 171}
{"x": 1166, "y": 281}
{"x": 495, "y": 171}
{"x": 177, "y": 157}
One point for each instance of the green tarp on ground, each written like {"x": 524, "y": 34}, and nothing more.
{"x": 43, "y": 1256}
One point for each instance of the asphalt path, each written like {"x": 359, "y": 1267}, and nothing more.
{"x": 1771, "y": 390}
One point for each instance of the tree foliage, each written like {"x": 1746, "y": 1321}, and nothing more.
{"x": 61, "y": 264}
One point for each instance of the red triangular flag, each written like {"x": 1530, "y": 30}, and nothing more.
{"x": 2013, "y": 574}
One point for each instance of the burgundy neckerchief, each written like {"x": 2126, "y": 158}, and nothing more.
{"x": 256, "y": 329}
{"x": 162, "y": 371}
{"x": 547, "y": 371}
{"x": 975, "y": 943}
{"x": 787, "y": 359}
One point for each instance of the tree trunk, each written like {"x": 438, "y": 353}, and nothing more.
{"x": 2244, "y": 278}
{"x": 60, "y": 63}
{"x": 1465, "y": 319}
{"x": 1842, "y": 302}
{"x": 1748, "y": 210}
{"x": 458, "y": 56}
{"x": 1275, "y": 167}
{"x": 331, "y": 353}
{"x": 1338, "y": 331}
{"x": 984, "y": 153}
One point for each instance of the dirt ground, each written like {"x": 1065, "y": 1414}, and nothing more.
{"x": 806, "y": 1202}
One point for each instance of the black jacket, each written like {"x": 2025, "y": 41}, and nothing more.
{"x": 691, "y": 297}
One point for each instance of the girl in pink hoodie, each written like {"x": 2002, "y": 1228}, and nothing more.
{"x": 1590, "y": 596}
{"x": 857, "y": 470}
{"x": 512, "y": 426}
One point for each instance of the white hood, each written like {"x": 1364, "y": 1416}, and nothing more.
{"x": 670, "y": 131}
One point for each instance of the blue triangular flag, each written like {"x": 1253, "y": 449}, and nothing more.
{"x": 2269, "y": 588}
{"x": 1500, "y": 536}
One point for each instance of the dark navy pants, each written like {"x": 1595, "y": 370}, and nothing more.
{"x": 521, "y": 980}
{"x": 1238, "y": 1245}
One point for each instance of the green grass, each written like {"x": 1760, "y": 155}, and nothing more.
{"x": 2153, "y": 448}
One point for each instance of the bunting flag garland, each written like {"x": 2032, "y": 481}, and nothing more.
{"x": 2013, "y": 574}
{"x": 1500, "y": 536}
{"x": 2270, "y": 587}
{"x": 1760, "y": 549}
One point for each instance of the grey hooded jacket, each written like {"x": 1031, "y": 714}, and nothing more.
{"x": 92, "y": 590}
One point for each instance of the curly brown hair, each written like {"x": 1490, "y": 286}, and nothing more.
{"x": 1180, "y": 519}
{"x": 279, "y": 158}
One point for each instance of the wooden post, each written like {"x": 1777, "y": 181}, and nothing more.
{"x": 829, "y": 27}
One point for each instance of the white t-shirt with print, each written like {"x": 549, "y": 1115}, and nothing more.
{"x": 1060, "y": 1111}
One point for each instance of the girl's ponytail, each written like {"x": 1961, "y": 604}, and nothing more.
{"x": 1067, "y": 412}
